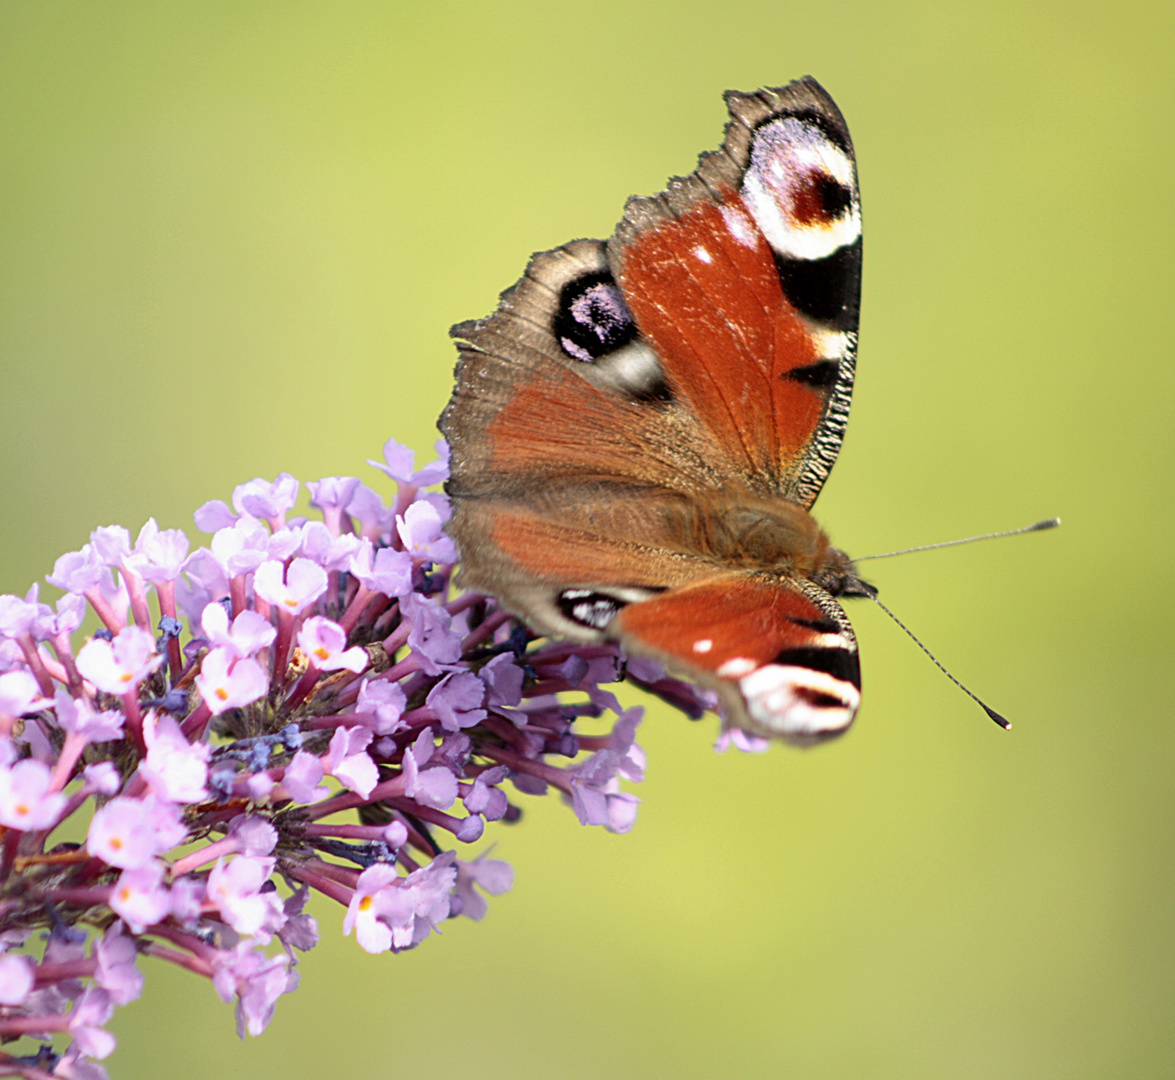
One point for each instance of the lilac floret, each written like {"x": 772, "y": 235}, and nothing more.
{"x": 268, "y": 500}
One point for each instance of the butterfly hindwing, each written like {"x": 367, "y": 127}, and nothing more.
{"x": 779, "y": 650}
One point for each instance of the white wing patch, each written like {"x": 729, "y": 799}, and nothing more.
{"x": 833, "y": 344}
{"x": 739, "y": 225}
{"x": 736, "y": 667}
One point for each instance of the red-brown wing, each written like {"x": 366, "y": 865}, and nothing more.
{"x": 779, "y": 650}
{"x": 744, "y": 278}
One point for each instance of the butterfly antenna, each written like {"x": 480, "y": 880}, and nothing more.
{"x": 1040, "y": 526}
{"x": 1005, "y": 724}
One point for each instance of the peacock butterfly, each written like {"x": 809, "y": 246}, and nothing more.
{"x": 640, "y": 429}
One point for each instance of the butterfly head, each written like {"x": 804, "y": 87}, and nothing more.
{"x": 839, "y": 577}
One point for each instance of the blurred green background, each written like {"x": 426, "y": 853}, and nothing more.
{"x": 233, "y": 238}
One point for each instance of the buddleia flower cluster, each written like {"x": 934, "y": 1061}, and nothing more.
{"x": 334, "y": 718}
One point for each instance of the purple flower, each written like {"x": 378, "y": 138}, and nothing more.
{"x": 77, "y": 716}
{"x": 225, "y": 683}
{"x": 241, "y": 547}
{"x": 174, "y": 768}
{"x": 431, "y": 637}
{"x": 19, "y": 616}
{"x": 214, "y": 515}
{"x": 420, "y": 532}
{"x": 117, "y": 975}
{"x": 388, "y": 911}
{"x": 111, "y": 544}
{"x": 299, "y": 931}
{"x": 456, "y": 700}
{"x": 374, "y": 517}
{"x": 325, "y": 643}
{"x": 398, "y": 462}
{"x": 348, "y": 762}
{"x": 332, "y": 494}
{"x": 253, "y": 835}
{"x": 235, "y": 890}
{"x": 383, "y": 571}
{"x": 292, "y": 590}
{"x": 159, "y": 554}
{"x": 118, "y": 666}
{"x": 124, "y": 833}
{"x": 317, "y": 649}
{"x": 436, "y": 787}
{"x": 485, "y": 798}
{"x": 503, "y": 679}
{"x": 493, "y": 875}
{"x": 331, "y": 552}
{"x": 256, "y": 980}
{"x": 140, "y": 897}
{"x": 19, "y": 694}
{"x": 384, "y": 703}
{"x": 596, "y": 796}
{"x": 740, "y": 740}
{"x": 25, "y": 799}
{"x": 77, "y": 571}
{"x": 102, "y": 777}
{"x": 248, "y": 634}
{"x": 371, "y": 899}
{"x": 302, "y": 778}
{"x": 94, "y": 1008}
{"x": 266, "y": 499}
{"x": 16, "y": 978}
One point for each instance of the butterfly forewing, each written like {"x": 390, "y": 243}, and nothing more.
{"x": 746, "y": 278}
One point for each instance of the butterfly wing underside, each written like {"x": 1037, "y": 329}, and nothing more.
{"x": 708, "y": 347}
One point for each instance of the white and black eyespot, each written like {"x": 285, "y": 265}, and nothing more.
{"x": 595, "y": 328}
{"x": 801, "y": 190}
{"x": 798, "y": 704}
{"x": 595, "y": 610}
{"x": 592, "y": 319}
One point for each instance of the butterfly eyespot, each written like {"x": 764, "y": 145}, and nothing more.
{"x": 801, "y": 192}
{"x": 591, "y": 609}
{"x": 799, "y": 704}
{"x": 592, "y": 319}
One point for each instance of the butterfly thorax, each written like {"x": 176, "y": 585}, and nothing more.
{"x": 738, "y": 530}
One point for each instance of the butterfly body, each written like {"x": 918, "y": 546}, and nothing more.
{"x": 640, "y": 429}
